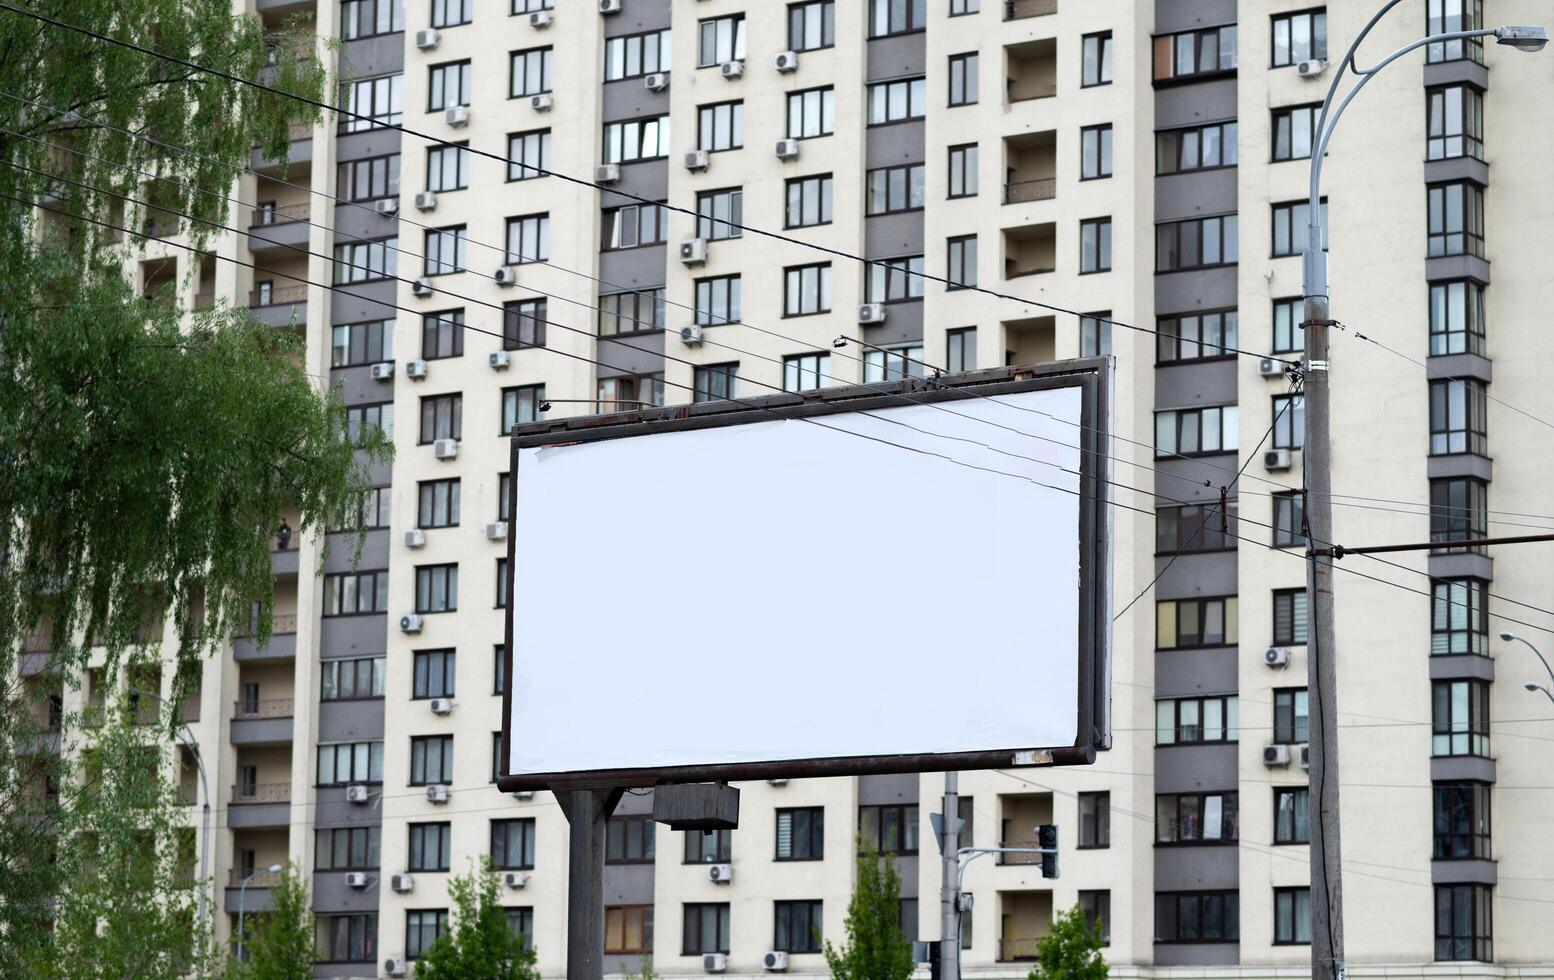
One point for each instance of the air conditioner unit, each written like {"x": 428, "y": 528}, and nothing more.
{"x": 402, "y": 883}
{"x": 1311, "y": 69}
{"x": 410, "y": 623}
{"x": 871, "y": 313}
{"x": 383, "y": 371}
{"x": 540, "y": 19}
{"x": 693, "y": 251}
{"x": 541, "y": 102}
{"x": 496, "y": 531}
{"x": 499, "y": 360}
{"x": 425, "y": 201}
{"x": 437, "y": 794}
{"x": 1270, "y": 367}
{"x": 787, "y": 61}
{"x": 415, "y": 370}
{"x": 690, "y": 336}
{"x": 427, "y": 38}
{"x": 394, "y": 966}
{"x": 714, "y": 962}
{"x": 777, "y": 782}
{"x": 388, "y": 206}
{"x": 609, "y": 6}
{"x": 445, "y": 448}
{"x": 787, "y": 149}
{"x": 357, "y": 793}
{"x": 441, "y": 706}
{"x": 775, "y": 961}
{"x": 720, "y": 874}
{"x": 505, "y": 275}
{"x": 356, "y": 879}
{"x": 732, "y": 69}
{"x": 658, "y": 81}
{"x": 421, "y": 287}
{"x": 1276, "y": 657}
{"x": 1275, "y": 460}
{"x": 524, "y": 794}
{"x": 1305, "y": 756}
{"x": 697, "y": 160}
{"x": 515, "y": 879}
{"x": 415, "y": 538}
{"x": 1276, "y": 755}
{"x": 607, "y": 173}
{"x": 457, "y": 115}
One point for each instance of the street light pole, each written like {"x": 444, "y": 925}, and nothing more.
{"x": 242, "y": 895}
{"x": 1508, "y": 636}
{"x": 1327, "y": 931}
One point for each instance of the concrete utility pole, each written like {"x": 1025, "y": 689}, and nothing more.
{"x": 949, "y": 881}
{"x": 1327, "y": 917}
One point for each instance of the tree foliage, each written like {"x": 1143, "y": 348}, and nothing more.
{"x": 875, "y": 948}
{"x": 279, "y": 942}
{"x": 1072, "y": 951}
{"x": 479, "y": 943}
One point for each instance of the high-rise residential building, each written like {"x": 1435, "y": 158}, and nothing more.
{"x": 1136, "y": 162}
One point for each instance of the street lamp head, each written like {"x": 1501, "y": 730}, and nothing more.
{"x": 1507, "y": 635}
{"x": 274, "y": 869}
{"x": 1522, "y": 38}
{"x": 1531, "y": 686}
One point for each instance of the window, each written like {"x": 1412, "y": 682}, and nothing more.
{"x": 1289, "y": 518}
{"x": 806, "y": 289}
{"x": 706, "y": 928}
{"x": 1189, "y": 721}
{"x": 433, "y": 674}
{"x": 720, "y": 213}
{"x": 1181, "y": 623}
{"x": 1456, "y": 123}
{"x": 1449, "y": 17}
{"x": 352, "y": 593}
{"x": 1195, "y": 54}
{"x": 343, "y": 937}
{"x": 1191, "y": 528}
{"x": 1095, "y": 245}
{"x": 512, "y": 844}
{"x": 887, "y": 17}
{"x": 892, "y": 364}
{"x": 371, "y": 103}
{"x": 1097, "y": 60}
{"x": 1292, "y": 227}
{"x": 447, "y": 250}
{"x": 369, "y": 180}
{"x": 635, "y": 55}
{"x": 521, "y": 405}
{"x": 961, "y": 349}
{"x": 1197, "y": 917}
{"x": 447, "y": 168}
{"x": 1209, "y": 147}
{"x": 636, "y": 139}
{"x": 632, "y": 226}
{"x": 1289, "y": 421}
{"x": 629, "y": 839}
{"x": 1457, "y": 510}
{"x": 894, "y": 280}
{"x": 531, "y": 6}
{"x": 1462, "y": 923}
{"x": 720, "y": 127}
{"x": 1196, "y": 336}
{"x": 1457, "y": 417}
{"x": 811, "y": 25}
{"x": 530, "y": 72}
{"x": 499, "y": 669}
{"x": 346, "y": 849}
{"x": 628, "y": 929}
{"x": 437, "y": 588}
{"x": 809, "y": 201}
{"x": 627, "y": 393}
{"x": 638, "y": 311}
{"x": 1462, "y": 821}
{"x": 1299, "y": 37}
{"x": 452, "y": 13}
{"x": 366, "y": 261}
{"x": 1097, "y": 909}
{"x": 340, "y": 763}
{"x": 438, "y": 503}
{"x": 523, "y": 323}
{"x": 963, "y": 171}
{"x": 431, "y": 760}
{"x": 1291, "y": 815}
{"x": 961, "y": 260}
{"x": 801, "y": 834}
{"x": 1095, "y": 152}
{"x": 1460, "y": 718}
{"x": 430, "y": 846}
{"x": 1456, "y": 219}
{"x": 909, "y": 920}
{"x": 448, "y": 85}
{"x": 721, "y": 40}
{"x": 1196, "y": 431}
{"x": 897, "y": 101}
{"x": 892, "y": 189}
{"x": 528, "y": 154}
{"x": 1459, "y": 618}
{"x": 714, "y": 382}
{"x": 811, "y": 113}
{"x": 717, "y": 300}
{"x": 359, "y": 417}
{"x": 797, "y": 928}
{"x": 963, "y": 79}
{"x": 351, "y": 680}
{"x": 423, "y": 927}
{"x": 1095, "y": 820}
{"x": 889, "y": 829}
{"x": 1293, "y": 131}
{"x": 1196, "y": 243}
{"x": 1289, "y": 336}
{"x": 442, "y": 334}
{"x": 1289, "y": 619}
{"x": 370, "y": 18}
{"x": 442, "y": 417}
{"x": 960, "y": 8}
{"x": 805, "y": 372}
{"x": 1456, "y": 317}
{"x": 1196, "y": 818}
{"x": 362, "y": 343}
{"x": 1292, "y": 916}
{"x": 708, "y": 846}
{"x": 1291, "y": 724}
{"x": 496, "y": 756}
{"x": 528, "y": 239}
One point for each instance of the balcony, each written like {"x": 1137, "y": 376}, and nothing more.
{"x": 1021, "y": 9}
{"x": 1032, "y": 70}
{"x": 1026, "y": 918}
{"x": 259, "y": 805}
{"x": 279, "y": 229}
{"x": 1030, "y": 340}
{"x": 1030, "y": 163}
{"x": 279, "y": 306}
{"x": 264, "y": 708}
{"x": 282, "y": 644}
{"x": 262, "y": 879}
{"x": 1017, "y": 950}
{"x": 300, "y": 155}
{"x": 1030, "y": 250}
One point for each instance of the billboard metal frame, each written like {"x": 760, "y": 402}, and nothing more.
{"x": 1092, "y": 376}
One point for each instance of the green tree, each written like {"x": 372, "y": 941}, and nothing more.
{"x": 875, "y": 948}
{"x": 1072, "y": 951}
{"x": 480, "y": 945}
{"x": 279, "y": 942}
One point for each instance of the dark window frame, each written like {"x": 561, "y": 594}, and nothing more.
{"x": 1297, "y": 830}
{"x": 445, "y": 661}
{"x": 814, "y": 848}
{"x": 1225, "y": 902}
{"x": 1287, "y": 924}
{"x": 423, "y": 743}
{"x": 441, "y": 845}
{"x": 1316, "y": 32}
{"x": 784, "y": 938}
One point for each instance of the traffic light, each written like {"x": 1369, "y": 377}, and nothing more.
{"x": 1047, "y": 840}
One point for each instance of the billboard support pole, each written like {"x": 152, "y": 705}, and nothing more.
{"x": 587, "y": 810}
{"x": 949, "y": 882}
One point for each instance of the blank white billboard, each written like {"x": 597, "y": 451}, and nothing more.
{"x": 773, "y": 591}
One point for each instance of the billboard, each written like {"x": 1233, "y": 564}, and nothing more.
{"x": 845, "y": 582}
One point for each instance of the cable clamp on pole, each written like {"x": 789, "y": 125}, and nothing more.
{"x": 1336, "y": 552}
{"x": 1316, "y": 366}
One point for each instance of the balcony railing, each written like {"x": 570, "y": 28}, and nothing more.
{"x": 188, "y": 794}
{"x": 261, "y": 793}
{"x": 279, "y": 626}
{"x": 1021, "y": 191}
{"x": 40, "y": 642}
{"x": 1019, "y": 858}
{"x": 264, "y": 879}
{"x": 1021, "y": 9}
{"x": 1017, "y": 949}
{"x": 282, "y": 215}
{"x": 1020, "y": 93}
{"x": 263, "y": 708}
{"x": 204, "y": 301}
{"x": 278, "y": 296}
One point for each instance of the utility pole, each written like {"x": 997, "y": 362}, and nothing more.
{"x": 949, "y": 881}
